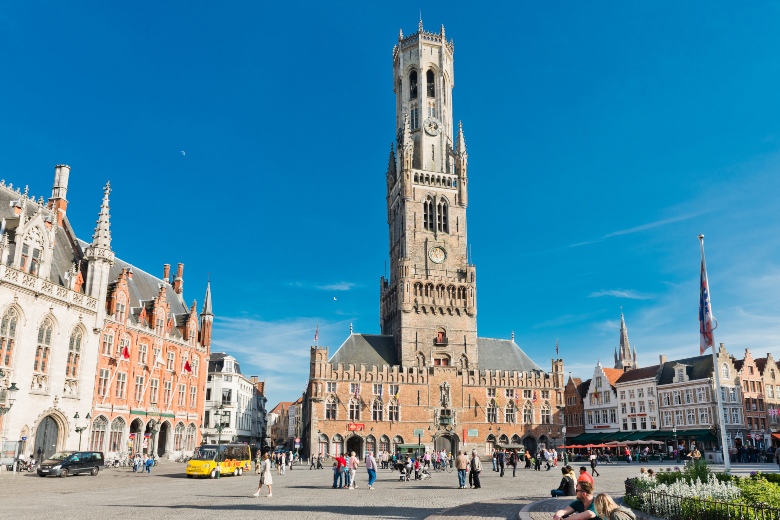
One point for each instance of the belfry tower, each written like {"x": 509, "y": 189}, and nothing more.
{"x": 429, "y": 302}
{"x": 624, "y": 360}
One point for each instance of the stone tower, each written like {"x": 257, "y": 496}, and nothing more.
{"x": 429, "y": 302}
{"x": 624, "y": 360}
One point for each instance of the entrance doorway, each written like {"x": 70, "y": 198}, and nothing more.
{"x": 448, "y": 442}
{"x": 355, "y": 443}
{"x": 161, "y": 443}
{"x": 137, "y": 436}
{"x": 46, "y": 437}
{"x": 530, "y": 445}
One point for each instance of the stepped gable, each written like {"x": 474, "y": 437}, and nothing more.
{"x": 366, "y": 349}
{"x": 503, "y": 354}
{"x": 699, "y": 367}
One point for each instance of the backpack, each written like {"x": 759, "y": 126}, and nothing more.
{"x": 622, "y": 513}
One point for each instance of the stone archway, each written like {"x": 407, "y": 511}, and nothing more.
{"x": 448, "y": 442}
{"x": 530, "y": 445}
{"x": 161, "y": 444}
{"x": 47, "y": 437}
{"x": 137, "y": 436}
{"x": 355, "y": 443}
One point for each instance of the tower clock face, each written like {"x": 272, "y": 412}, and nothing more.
{"x": 432, "y": 126}
{"x": 437, "y": 254}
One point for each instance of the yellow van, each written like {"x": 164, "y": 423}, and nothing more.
{"x": 212, "y": 461}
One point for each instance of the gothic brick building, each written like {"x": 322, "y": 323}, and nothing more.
{"x": 97, "y": 347}
{"x": 427, "y": 378}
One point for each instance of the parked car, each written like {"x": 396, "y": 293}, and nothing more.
{"x": 64, "y": 463}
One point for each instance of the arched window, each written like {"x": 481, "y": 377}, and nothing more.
{"x": 413, "y": 85}
{"x": 8, "y": 336}
{"x": 509, "y": 413}
{"x": 492, "y": 411}
{"x": 528, "y": 414}
{"x": 371, "y": 444}
{"x": 396, "y": 441}
{"x": 178, "y": 437}
{"x": 429, "y": 85}
{"x": 377, "y": 412}
{"x": 189, "y": 440}
{"x": 330, "y": 409}
{"x": 428, "y": 215}
{"x": 393, "y": 410}
{"x": 119, "y": 307}
{"x": 194, "y": 365}
{"x": 74, "y": 354}
{"x": 43, "y": 350}
{"x": 442, "y": 223}
{"x": 354, "y": 410}
{"x": 546, "y": 414}
{"x": 32, "y": 246}
{"x": 337, "y": 446}
{"x": 98, "y": 436}
{"x": 724, "y": 371}
{"x": 384, "y": 443}
{"x": 117, "y": 434}
{"x": 322, "y": 445}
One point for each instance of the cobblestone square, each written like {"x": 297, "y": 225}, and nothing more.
{"x": 301, "y": 494}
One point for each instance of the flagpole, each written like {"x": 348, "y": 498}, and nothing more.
{"x": 708, "y": 340}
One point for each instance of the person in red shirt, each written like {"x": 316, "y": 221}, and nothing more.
{"x": 584, "y": 476}
{"x": 338, "y": 467}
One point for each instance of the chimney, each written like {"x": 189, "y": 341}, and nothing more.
{"x": 178, "y": 282}
{"x": 167, "y": 273}
{"x": 254, "y": 379}
{"x": 662, "y": 359}
{"x": 58, "y": 203}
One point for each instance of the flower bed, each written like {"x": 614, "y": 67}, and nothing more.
{"x": 698, "y": 494}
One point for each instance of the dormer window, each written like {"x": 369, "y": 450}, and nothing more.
{"x": 228, "y": 366}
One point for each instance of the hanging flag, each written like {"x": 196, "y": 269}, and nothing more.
{"x": 706, "y": 339}
{"x": 126, "y": 353}
{"x": 556, "y": 346}
{"x": 158, "y": 360}
{"x": 316, "y": 333}
{"x": 380, "y": 392}
{"x": 534, "y": 395}
{"x": 187, "y": 367}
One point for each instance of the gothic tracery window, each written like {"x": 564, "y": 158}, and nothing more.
{"x": 428, "y": 214}
{"x": 413, "y": 85}
{"x": 8, "y": 336}
{"x": 43, "y": 350}
{"x": 98, "y": 435}
{"x": 429, "y": 84}
{"x": 74, "y": 353}
{"x": 377, "y": 413}
{"x": 528, "y": 414}
{"x": 491, "y": 411}
{"x": 354, "y": 410}
{"x": 442, "y": 223}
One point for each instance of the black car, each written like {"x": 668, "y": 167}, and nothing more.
{"x": 65, "y": 463}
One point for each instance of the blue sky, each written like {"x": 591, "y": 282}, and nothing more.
{"x": 602, "y": 137}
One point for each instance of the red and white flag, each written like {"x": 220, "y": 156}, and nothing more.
{"x": 125, "y": 353}
{"x": 706, "y": 319}
{"x": 534, "y": 396}
{"x": 187, "y": 367}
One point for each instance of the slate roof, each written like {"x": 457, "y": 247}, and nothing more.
{"x": 503, "y": 354}
{"x": 639, "y": 373}
{"x": 699, "y": 367}
{"x": 760, "y": 364}
{"x": 378, "y": 350}
{"x": 217, "y": 362}
{"x": 583, "y": 388}
{"x": 366, "y": 349}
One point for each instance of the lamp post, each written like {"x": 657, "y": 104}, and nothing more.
{"x": 565, "y": 451}
{"x": 80, "y": 429}
{"x": 220, "y": 425}
{"x": 676, "y": 451}
{"x": 11, "y": 392}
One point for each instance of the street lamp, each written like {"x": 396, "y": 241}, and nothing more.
{"x": 80, "y": 429}
{"x": 220, "y": 425}
{"x": 11, "y": 396}
{"x": 676, "y": 451}
{"x": 565, "y": 451}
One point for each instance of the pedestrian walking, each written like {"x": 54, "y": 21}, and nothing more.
{"x": 594, "y": 460}
{"x": 148, "y": 464}
{"x": 513, "y": 461}
{"x": 371, "y": 469}
{"x": 476, "y": 469}
{"x": 462, "y": 465}
{"x": 265, "y": 477}
{"x": 494, "y": 458}
{"x": 353, "y": 466}
{"x": 501, "y": 456}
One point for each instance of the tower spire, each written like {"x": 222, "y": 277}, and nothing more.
{"x": 102, "y": 236}
{"x": 207, "y": 302}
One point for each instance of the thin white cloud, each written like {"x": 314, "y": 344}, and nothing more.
{"x": 619, "y": 293}
{"x": 651, "y": 225}
{"x": 337, "y": 286}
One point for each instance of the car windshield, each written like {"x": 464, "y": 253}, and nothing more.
{"x": 205, "y": 454}
{"x": 61, "y": 455}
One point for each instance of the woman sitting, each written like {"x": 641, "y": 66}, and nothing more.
{"x": 607, "y": 509}
{"x": 566, "y": 489}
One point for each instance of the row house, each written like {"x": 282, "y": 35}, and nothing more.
{"x": 752, "y": 383}
{"x": 601, "y": 404}
{"x": 637, "y": 403}
{"x": 279, "y": 424}
{"x": 234, "y": 411}
{"x": 105, "y": 356}
{"x": 574, "y": 394}
{"x": 771, "y": 382}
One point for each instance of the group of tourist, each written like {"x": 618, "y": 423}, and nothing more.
{"x": 586, "y": 506}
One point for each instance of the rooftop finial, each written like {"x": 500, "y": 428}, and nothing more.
{"x": 461, "y": 139}
{"x": 102, "y": 236}
{"x": 420, "y": 26}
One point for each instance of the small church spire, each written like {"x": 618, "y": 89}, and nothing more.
{"x": 461, "y": 139}
{"x": 420, "y": 25}
{"x": 207, "y": 302}
{"x": 391, "y": 162}
{"x": 102, "y": 236}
